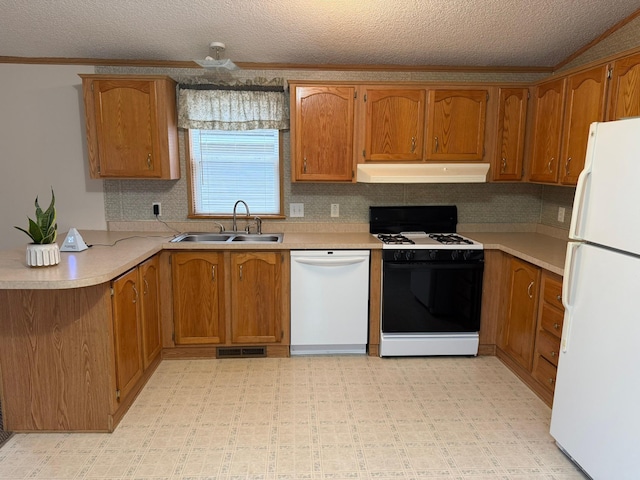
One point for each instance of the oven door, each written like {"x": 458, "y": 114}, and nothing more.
{"x": 431, "y": 297}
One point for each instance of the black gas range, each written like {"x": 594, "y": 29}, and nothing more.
{"x": 432, "y": 282}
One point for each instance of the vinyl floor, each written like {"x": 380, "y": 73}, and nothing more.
{"x": 321, "y": 417}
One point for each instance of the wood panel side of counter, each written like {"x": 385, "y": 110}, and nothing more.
{"x": 492, "y": 300}
{"x": 56, "y": 359}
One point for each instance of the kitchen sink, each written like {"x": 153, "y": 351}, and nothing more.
{"x": 228, "y": 237}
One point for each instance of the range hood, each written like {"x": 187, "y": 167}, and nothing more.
{"x": 422, "y": 173}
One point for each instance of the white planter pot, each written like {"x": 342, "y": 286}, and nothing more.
{"x": 43, "y": 255}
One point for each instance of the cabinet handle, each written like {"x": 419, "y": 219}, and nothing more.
{"x": 566, "y": 166}
{"x": 559, "y": 298}
{"x": 549, "y": 165}
{"x": 551, "y": 381}
{"x": 213, "y": 273}
{"x": 553, "y": 354}
{"x": 413, "y": 144}
{"x": 240, "y": 272}
{"x": 304, "y": 165}
{"x": 436, "y": 144}
{"x": 556, "y": 326}
{"x": 504, "y": 165}
{"x": 529, "y": 290}
{"x": 135, "y": 290}
{"x": 146, "y": 287}
{"x": 149, "y": 161}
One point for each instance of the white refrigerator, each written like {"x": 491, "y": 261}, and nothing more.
{"x": 596, "y": 408}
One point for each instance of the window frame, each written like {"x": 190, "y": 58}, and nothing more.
{"x": 190, "y": 190}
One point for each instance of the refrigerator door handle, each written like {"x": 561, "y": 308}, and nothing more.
{"x": 584, "y": 180}
{"x": 567, "y": 292}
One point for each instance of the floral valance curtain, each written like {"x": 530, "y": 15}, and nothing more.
{"x": 232, "y": 107}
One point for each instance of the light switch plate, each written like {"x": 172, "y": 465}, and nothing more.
{"x": 335, "y": 209}
{"x": 296, "y": 209}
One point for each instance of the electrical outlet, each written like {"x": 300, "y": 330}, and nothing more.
{"x": 296, "y": 209}
{"x": 561, "y": 214}
{"x": 156, "y": 208}
{"x": 335, "y": 209}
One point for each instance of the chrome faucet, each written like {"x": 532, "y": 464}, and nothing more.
{"x": 235, "y": 225}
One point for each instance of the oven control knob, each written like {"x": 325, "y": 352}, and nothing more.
{"x": 456, "y": 254}
{"x": 466, "y": 254}
{"x": 409, "y": 254}
{"x": 397, "y": 255}
{"x": 433, "y": 254}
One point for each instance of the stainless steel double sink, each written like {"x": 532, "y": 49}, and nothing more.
{"x": 229, "y": 237}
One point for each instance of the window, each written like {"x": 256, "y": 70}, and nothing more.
{"x": 227, "y": 166}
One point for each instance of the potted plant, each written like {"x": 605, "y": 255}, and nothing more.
{"x": 43, "y": 232}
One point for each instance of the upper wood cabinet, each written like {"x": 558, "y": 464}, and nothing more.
{"x": 198, "y": 298}
{"x": 624, "y": 99}
{"x": 512, "y": 116}
{"x": 256, "y": 297}
{"x": 456, "y": 124}
{"x": 322, "y": 137}
{"x": 585, "y": 103}
{"x": 394, "y": 124}
{"x": 131, "y": 126}
{"x": 547, "y": 131}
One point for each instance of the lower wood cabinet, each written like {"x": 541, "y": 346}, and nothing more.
{"x": 136, "y": 324}
{"x": 230, "y": 298}
{"x": 530, "y": 325}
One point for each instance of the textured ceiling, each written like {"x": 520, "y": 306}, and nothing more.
{"x": 367, "y": 32}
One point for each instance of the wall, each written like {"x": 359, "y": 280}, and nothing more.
{"x": 43, "y": 147}
{"x": 130, "y": 200}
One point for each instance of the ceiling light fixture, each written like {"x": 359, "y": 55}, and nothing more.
{"x": 215, "y": 62}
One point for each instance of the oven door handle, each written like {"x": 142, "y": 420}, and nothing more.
{"x": 436, "y": 265}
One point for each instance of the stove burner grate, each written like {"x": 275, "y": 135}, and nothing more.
{"x": 395, "y": 239}
{"x": 450, "y": 239}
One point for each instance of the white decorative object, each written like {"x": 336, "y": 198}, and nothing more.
{"x": 73, "y": 242}
{"x": 43, "y": 255}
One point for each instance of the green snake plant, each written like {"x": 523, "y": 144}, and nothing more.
{"x": 44, "y": 229}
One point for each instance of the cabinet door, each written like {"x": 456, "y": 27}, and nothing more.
{"x": 518, "y": 333}
{"x": 256, "y": 297}
{"x": 126, "y": 332}
{"x": 585, "y": 103}
{"x": 150, "y": 310}
{"x": 512, "y": 115}
{"x": 394, "y": 124}
{"x": 198, "y": 297}
{"x": 455, "y": 125}
{"x": 125, "y": 126}
{"x": 322, "y": 133}
{"x": 547, "y": 131}
{"x": 625, "y": 88}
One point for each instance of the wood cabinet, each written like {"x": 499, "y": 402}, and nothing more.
{"x": 198, "y": 297}
{"x": 322, "y": 133}
{"x": 149, "y": 275}
{"x": 230, "y": 298}
{"x": 131, "y": 126}
{"x": 256, "y": 297}
{"x": 549, "y": 331}
{"x": 519, "y": 327}
{"x": 127, "y": 332}
{"x": 547, "y": 131}
{"x": 512, "y": 114}
{"x": 585, "y": 103}
{"x": 456, "y": 124}
{"x": 624, "y": 98}
{"x": 394, "y": 124}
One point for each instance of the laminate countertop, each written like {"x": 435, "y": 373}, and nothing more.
{"x": 114, "y": 253}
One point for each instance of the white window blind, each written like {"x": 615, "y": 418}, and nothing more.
{"x": 227, "y": 166}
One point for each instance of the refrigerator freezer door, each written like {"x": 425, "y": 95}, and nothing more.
{"x": 596, "y": 408}
{"x": 607, "y": 203}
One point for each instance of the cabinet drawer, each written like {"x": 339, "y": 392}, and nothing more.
{"x": 545, "y": 373}
{"x": 548, "y": 346}
{"x": 553, "y": 292}
{"x": 551, "y": 320}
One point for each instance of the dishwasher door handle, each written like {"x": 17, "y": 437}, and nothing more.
{"x": 329, "y": 262}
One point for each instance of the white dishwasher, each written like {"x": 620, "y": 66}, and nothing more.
{"x": 329, "y": 301}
